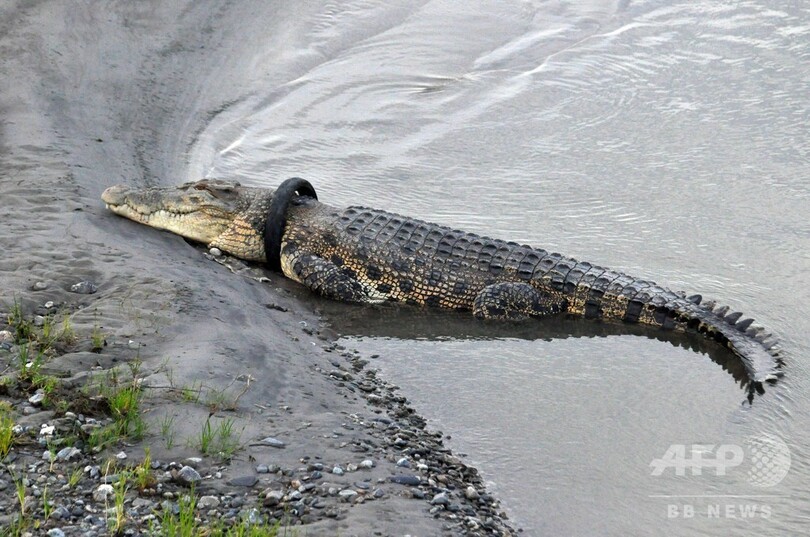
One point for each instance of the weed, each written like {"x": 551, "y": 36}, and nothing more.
{"x": 97, "y": 339}
{"x": 167, "y": 430}
{"x": 143, "y": 473}
{"x": 67, "y": 335}
{"x": 6, "y": 433}
{"x": 119, "y": 515}
{"x": 75, "y": 477}
{"x": 47, "y": 506}
{"x": 220, "y": 440}
{"x": 191, "y": 394}
{"x": 23, "y": 329}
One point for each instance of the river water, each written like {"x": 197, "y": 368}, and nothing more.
{"x": 665, "y": 139}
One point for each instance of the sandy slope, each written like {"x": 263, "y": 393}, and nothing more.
{"x": 97, "y": 93}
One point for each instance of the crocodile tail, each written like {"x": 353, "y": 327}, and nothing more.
{"x": 757, "y": 349}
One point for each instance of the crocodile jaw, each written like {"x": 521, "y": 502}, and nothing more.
{"x": 189, "y": 211}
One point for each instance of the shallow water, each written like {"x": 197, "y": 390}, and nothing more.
{"x": 665, "y": 140}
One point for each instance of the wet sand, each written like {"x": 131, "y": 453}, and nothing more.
{"x": 93, "y": 95}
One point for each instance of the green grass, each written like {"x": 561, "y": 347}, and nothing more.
{"x": 6, "y": 432}
{"x": 186, "y": 524}
{"x": 220, "y": 440}
{"x": 167, "y": 431}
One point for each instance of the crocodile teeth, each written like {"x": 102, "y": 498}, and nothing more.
{"x": 743, "y": 325}
{"x": 732, "y": 318}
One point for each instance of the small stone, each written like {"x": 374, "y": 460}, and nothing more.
{"x": 216, "y": 252}
{"x": 6, "y": 336}
{"x": 49, "y": 304}
{"x": 262, "y": 469}
{"x": 294, "y": 496}
{"x": 208, "y": 502}
{"x": 404, "y": 462}
{"x": 56, "y": 532}
{"x": 47, "y": 430}
{"x": 367, "y": 464}
{"x": 378, "y": 493}
{"x": 470, "y": 493}
{"x": 37, "y": 398}
{"x": 188, "y": 475}
{"x": 272, "y": 498}
{"x": 134, "y": 345}
{"x": 347, "y": 495}
{"x": 103, "y": 492}
{"x": 39, "y": 286}
{"x": 194, "y": 462}
{"x": 48, "y": 456}
{"x": 351, "y": 467}
{"x": 60, "y": 513}
{"x": 121, "y": 456}
{"x": 244, "y": 481}
{"x": 337, "y": 470}
{"x": 39, "y": 320}
{"x": 440, "y": 499}
{"x": 84, "y": 288}
{"x": 65, "y": 454}
{"x": 273, "y": 442}
{"x": 3, "y": 484}
{"x": 410, "y": 480}
{"x": 142, "y": 503}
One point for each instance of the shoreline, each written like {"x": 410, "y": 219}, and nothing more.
{"x": 73, "y": 123}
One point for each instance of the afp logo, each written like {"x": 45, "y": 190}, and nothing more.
{"x": 765, "y": 458}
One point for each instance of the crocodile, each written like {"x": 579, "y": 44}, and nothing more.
{"x": 362, "y": 255}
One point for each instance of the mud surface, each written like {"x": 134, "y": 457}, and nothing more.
{"x": 93, "y": 94}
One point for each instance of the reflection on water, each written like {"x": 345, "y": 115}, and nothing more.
{"x": 667, "y": 140}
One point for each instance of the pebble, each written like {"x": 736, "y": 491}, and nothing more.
{"x": 134, "y": 345}
{"x": 102, "y": 493}
{"x": 351, "y": 467}
{"x": 273, "y": 442}
{"x": 440, "y": 499}
{"x": 410, "y": 480}
{"x": 208, "y": 502}
{"x": 337, "y": 470}
{"x": 39, "y": 320}
{"x": 56, "y": 532}
{"x": 65, "y": 454}
{"x": 60, "y": 512}
{"x": 404, "y": 462}
{"x": 470, "y": 493}
{"x": 121, "y": 456}
{"x": 6, "y": 336}
{"x": 244, "y": 481}
{"x": 49, "y": 304}
{"x": 347, "y": 495}
{"x": 37, "y": 398}
{"x": 367, "y": 464}
{"x": 262, "y": 469}
{"x": 194, "y": 462}
{"x": 216, "y": 252}
{"x": 39, "y": 286}
{"x": 188, "y": 475}
{"x": 273, "y": 497}
{"x": 139, "y": 503}
{"x": 84, "y": 288}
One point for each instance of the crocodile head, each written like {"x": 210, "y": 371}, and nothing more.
{"x": 217, "y": 213}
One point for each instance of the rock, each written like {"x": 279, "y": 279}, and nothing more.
{"x": 37, "y": 398}
{"x": 378, "y": 493}
{"x": 470, "y": 493}
{"x": 39, "y": 320}
{"x": 367, "y": 464}
{"x": 404, "y": 462}
{"x": 6, "y": 336}
{"x": 49, "y": 304}
{"x": 56, "y": 532}
{"x": 440, "y": 499}
{"x": 134, "y": 345}
{"x": 273, "y": 497}
{"x": 121, "y": 456}
{"x": 39, "y": 286}
{"x": 187, "y": 476}
{"x": 216, "y": 252}
{"x": 60, "y": 513}
{"x": 47, "y": 456}
{"x": 272, "y": 442}
{"x": 66, "y": 454}
{"x": 347, "y": 495}
{"x": 194, "y": 462}
{"x": 142, "y": 503}
{"x": 84, "y": 288}
{"x": 337, "y": 470}
{"x": 262, "y": 469}
{"x": 3, "y": 484}
{"x": 351, "y": 467}
{"x": 244, "y": 481}
{"x": 410, "y": 480}
{"x": 208, "y": 502}
{"x": 103, "y": 492}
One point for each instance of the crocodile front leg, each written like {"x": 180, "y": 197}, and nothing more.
{"x": 516, "y": 301}
{"x": 321, "y": 276}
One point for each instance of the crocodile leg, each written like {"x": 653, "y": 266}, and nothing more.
{"x": 321, "y": 276}
{"x": 515, "y": 301}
